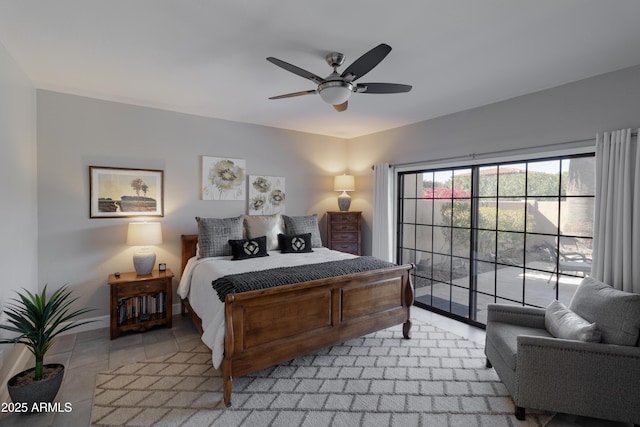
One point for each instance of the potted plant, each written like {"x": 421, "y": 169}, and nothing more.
{"x": 37, "y": 321}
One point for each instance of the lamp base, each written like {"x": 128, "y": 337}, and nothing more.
{"x": 344, "y": 202}
{"x": 143, "y": 262}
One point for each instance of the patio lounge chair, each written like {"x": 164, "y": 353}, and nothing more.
{"x": 567, "y": 261}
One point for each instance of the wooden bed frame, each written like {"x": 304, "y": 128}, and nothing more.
{"x": 270, "y": 326}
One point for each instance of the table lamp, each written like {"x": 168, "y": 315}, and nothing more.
{"x": 144, "y": 234}
{"x": 344, "y": 183}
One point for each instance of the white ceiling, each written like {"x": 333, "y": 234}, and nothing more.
{"x": 208, "y": 57}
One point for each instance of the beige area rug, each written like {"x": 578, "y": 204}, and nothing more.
{"x": 434, "y": 379}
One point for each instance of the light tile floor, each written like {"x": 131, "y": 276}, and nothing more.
{"x": 86, "y": 353}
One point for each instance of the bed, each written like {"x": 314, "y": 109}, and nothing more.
{"x": 265, "y": 327}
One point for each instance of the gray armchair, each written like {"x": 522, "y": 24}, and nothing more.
{"x": 600, "y": 380}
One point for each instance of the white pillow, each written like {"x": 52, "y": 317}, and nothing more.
{"x": 264, "y": 225}
{"x": 563, "y": 323}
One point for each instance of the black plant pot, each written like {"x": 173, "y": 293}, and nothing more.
{"x": 44, "y": 390}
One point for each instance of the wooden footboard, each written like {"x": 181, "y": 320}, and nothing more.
{"x": 270, "y": 326}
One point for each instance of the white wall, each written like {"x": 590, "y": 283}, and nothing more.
{"x": 76, "y": 132}
{"x": 19, "y": 225}
{"x": 571, "y": 112}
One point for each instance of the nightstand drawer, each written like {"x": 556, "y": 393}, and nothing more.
{"x": 353, "y": 218}
{"x": 344, "y": 237}
{"x": 346, "y": 226}
{"x": 135, "y": 288}
{"x": 347, "y": 247}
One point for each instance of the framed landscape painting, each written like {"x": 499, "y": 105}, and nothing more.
{"x": 123, "y": 193}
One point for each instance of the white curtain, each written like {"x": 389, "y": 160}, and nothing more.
{"x": 616, "y": 234}
{"x": 382, "y": 239}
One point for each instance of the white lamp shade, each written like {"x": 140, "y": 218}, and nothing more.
{"x": 335, "y": 95}
{"x": 344, "y": 183}
{"x": 144, "y": 234}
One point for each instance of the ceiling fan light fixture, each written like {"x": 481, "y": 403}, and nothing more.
{"x": 335, "y": 92}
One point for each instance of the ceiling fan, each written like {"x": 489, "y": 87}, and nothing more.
{"x": 336, "y": 89}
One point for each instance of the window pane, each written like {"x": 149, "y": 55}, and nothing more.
{"x": 579, "y": 176}
{"x": 409, "y": 184}
{"x": 424, "y": 238}
{"x": 486, "y": 245}
{"x": 442, "y": 240}
{"x": 488, "y": 185}
{"x": 544, "y": 214}
{"x": 511, "y": 180}
{"x": 424, "y": 213}
{"x": 409, "y": 236}
{"x": 543, "y": 178}
{"x": 443, "y": 185}
{"x": 461, "y": 242}
{"x": 510, "y": 248}
{"x": 488, "y": 215}
{"x": 462, "y": 183}
{"x": 511, "y": 214}
{"x": 409, "y": 210}
{"x": 461, "y": 213}
{"x": 442, "y": 212}
{"x": 509, "y": 283}
{"x": 442, "y": 268}
{"x": 576, "y": 216}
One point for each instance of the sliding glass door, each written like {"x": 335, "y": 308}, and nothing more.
{"x": 514, "y": 233}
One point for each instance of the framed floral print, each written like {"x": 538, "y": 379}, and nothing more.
{"x": 122, "y": 193}
{"x": 223, "y": 178}
{"x": 266, "y": 195}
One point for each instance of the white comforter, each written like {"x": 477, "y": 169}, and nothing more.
{"x": 197, "y": 276}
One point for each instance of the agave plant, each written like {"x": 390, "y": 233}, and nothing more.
{"x": 38, "y": 321}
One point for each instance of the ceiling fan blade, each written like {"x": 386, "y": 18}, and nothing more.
{"x": 382, "y": 88}
{"x": 341, "y": 107}
{"x": 291, "y": 95}
{"x": 366, "y": 62}
{"x": 296, "y": 70}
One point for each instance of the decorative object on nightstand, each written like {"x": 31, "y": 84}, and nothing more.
{"x": 139, "y": 303}
{"x": 144, "y": 234}
{"x": 344, "y": 232}
{"x": 344, "y": 183}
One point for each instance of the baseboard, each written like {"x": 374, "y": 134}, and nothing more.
{"x": 94, "y": 323}
{"x": 105, "y": 322}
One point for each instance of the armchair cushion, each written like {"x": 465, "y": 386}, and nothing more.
{"x": 617, "y": 313}
{"x": 561, "y": 322}
{"x": 503, "y": 336}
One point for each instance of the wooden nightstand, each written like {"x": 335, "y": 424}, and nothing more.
{"x": 344, "y": 232}
{"x": 140, "y": 302}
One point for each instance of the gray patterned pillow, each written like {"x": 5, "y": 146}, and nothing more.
{"x": 303, "y": 225}
{"x": 214, "y": 235}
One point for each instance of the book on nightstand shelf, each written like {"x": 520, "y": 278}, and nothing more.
{"x": 142, "y": 307}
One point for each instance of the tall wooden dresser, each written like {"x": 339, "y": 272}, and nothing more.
{"x": 344, "y": 232}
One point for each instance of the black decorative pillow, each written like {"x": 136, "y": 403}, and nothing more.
{"x": 295, "y": 243}
{"x": 251, "y": 248}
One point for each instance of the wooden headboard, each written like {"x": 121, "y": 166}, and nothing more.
{"x": 189, "y": 242}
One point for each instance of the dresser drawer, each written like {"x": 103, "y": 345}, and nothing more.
{"x": 349, "y": 247}
{"x": 135, "y": 288}
{"x": 353, "y": 218}
{"x": 344, "y": 226}
{"x": 344, "y": 237}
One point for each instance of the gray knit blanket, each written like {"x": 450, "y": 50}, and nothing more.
{"x": 251, "y": 281}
